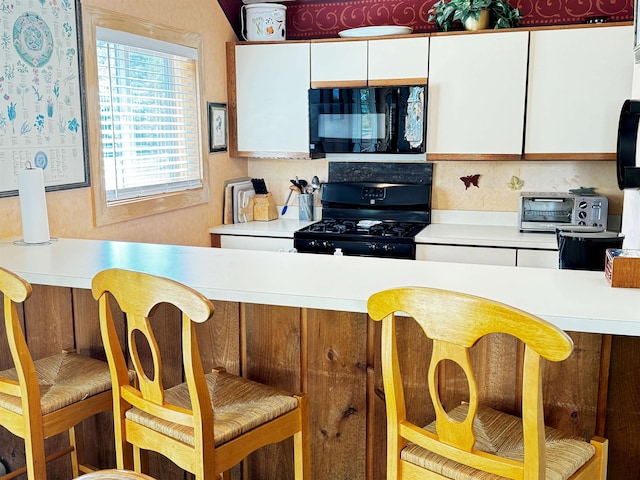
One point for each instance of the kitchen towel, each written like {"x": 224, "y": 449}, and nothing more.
{"x": 33, "y": 206}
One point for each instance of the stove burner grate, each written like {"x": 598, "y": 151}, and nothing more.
{"x": 379, "y": 229}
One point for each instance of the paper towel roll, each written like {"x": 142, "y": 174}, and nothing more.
{"x": 631, "y": 218}
{"x": 33, "y": 206}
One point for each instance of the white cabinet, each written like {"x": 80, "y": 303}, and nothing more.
{"x": 578, "y": 80}
{"x": 510, "y": 257}
{"x": 268, "y": 83}
{"x": 537, "y": 258}
{"x": 398, "y": 61}
{"x": 402, "y": 60}
{"x": 476, "y": 103}
{"x": 273, "y": 244}
{"x": 343, "y": 63}
{"x": 463, "y": 254}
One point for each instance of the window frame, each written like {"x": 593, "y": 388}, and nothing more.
{"x": 108, "y": 213}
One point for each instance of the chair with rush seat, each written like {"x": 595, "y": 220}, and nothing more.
{"x": 45, "y": 397}
{"x": 470, "y": 440}
{"x": 205, "y": 425}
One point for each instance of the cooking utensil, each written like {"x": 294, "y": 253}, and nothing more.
{"x": 315, "y": 183}
{"x": 302, "y": 184}
{"x": 295, "y": 182}
{"x": 292, "y": 188}
{"x": 284, "y": 209}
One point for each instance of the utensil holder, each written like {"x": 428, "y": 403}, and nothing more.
{"x": 305, "y": 206}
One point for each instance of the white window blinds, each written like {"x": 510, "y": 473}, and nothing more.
{"x": 149, "y": 116}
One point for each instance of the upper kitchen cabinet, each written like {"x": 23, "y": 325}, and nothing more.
{"x": 361, "y": 63}
{"x": 268, "y": 100}
{"x": 578, "y": 81}
{"x": 476, "y": 101}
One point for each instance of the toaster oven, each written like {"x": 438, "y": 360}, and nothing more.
{"x": 544, "y": 212}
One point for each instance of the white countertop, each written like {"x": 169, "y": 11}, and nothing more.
{"x": 486, "y": 236}
{"x": 573, "y": 300}
{"x": 280, "y": 227}
{"x": 440, "y": 233}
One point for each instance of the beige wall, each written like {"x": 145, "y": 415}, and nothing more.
{"x": 70, "y": 211}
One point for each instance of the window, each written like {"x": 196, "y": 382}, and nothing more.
{"x": 146, "y": 137}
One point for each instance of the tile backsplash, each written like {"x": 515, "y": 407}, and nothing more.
{"x": 494, "y": 185}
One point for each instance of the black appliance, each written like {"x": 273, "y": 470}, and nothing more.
{"x": 368, "y": 219}
{"x": 627, "y": 171}
{"x": 367, "y": 120}
{"x": 584, "y": 248}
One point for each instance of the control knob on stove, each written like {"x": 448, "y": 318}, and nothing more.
{"x": 378, "y": 248}
{"x": 321, "y": 244}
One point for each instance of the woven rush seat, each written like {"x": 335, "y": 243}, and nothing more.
{"x": 501, "y": 434}
{"x": 239, "y": 404}
{"x": 64, "y": 379}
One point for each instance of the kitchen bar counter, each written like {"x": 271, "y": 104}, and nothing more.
{"x": 298, "y": 322}
{"x": 573, "y": 300}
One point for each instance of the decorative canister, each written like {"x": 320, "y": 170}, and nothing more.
{"x": 264, "y": 22}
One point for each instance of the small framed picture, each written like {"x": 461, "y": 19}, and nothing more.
{"x": 217, "y": 127}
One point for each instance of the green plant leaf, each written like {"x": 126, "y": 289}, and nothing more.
{"x": 446, "y": 12}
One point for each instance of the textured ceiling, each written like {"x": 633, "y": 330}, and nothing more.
{"x": 308, "y": 19}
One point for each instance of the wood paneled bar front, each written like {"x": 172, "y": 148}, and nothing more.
{"x": 299, "y": 322}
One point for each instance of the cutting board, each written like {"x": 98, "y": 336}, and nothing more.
{"x": 239, "y": 192}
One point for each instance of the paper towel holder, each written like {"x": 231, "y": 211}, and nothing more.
{"x": 22, "y": 243}
{"x": 33, "y": 206}
{"x": 627, "y": 171}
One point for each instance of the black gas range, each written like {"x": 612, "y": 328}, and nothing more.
{"x": 368, "y": 219}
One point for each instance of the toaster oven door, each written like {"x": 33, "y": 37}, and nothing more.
{"x": 545, "y": 213}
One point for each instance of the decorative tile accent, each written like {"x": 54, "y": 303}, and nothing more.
{"x": 470, "y": 180}
{"x": 515, "y": 183}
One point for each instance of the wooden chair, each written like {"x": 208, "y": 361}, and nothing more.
{"x": 207, "y": 424}
{"x": 472, "y": 439}
{"x": 42, "y": 398}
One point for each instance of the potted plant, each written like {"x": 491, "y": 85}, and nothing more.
{"x": 474, "y": 14}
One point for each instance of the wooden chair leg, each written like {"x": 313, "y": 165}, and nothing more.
{"x": 137, "y": 461}
{"x": 36, "y": 462}
{"x": 302, "y": 443}
{"x": 74, "y": 452}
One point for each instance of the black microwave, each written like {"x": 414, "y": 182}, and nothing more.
{"x": 367, "y": 120}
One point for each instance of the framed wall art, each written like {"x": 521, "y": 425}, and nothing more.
{"x": 42, "y": 119}
{"x": 217, "y": 127}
